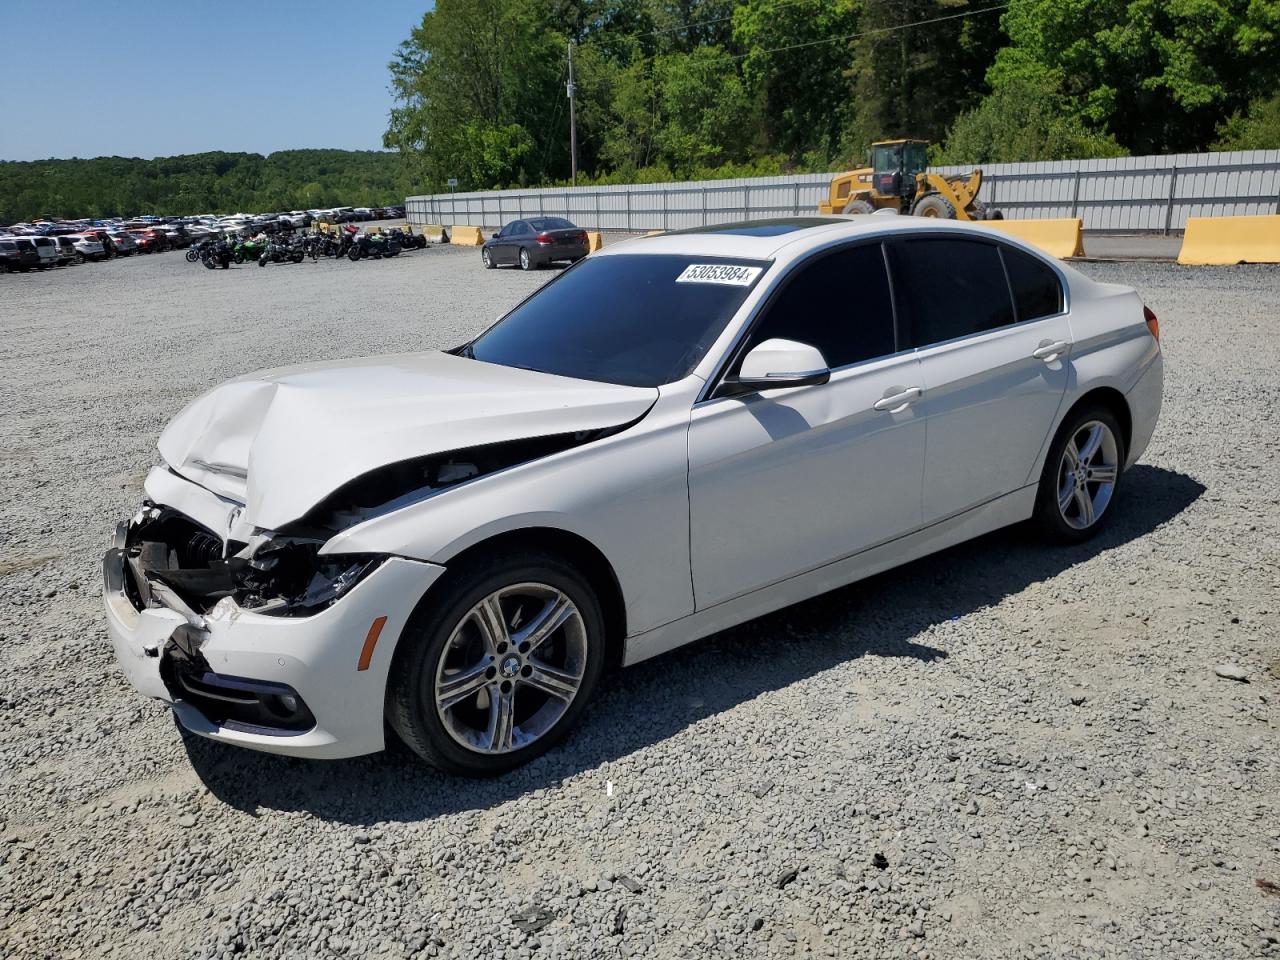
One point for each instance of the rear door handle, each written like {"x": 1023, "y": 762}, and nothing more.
{"x": 897, "y": 402}
{"x": 1049, "y": 352}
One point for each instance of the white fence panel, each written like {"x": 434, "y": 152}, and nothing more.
{"x": 1141, "y": 194}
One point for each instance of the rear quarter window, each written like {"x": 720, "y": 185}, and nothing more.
{"x": 1036, "y": 289}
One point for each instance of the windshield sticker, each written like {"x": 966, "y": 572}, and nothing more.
{"x": 726, "y": 273}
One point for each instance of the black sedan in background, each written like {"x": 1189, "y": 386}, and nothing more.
{"x": 533, "y": 242}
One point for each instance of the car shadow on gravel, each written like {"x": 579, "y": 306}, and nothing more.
{"x": 878, "y": 617}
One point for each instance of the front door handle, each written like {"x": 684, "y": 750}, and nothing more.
{"x": 897, "y": 402}
{"x": 1050, "y": 351}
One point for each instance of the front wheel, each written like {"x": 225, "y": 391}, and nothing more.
{"x": 487, "y": 259}
{"x": 1080, "y": 476}
{"x": 496, "y": 668}
{"x": 353, "y": 254}
{"x": 934, "y": 205}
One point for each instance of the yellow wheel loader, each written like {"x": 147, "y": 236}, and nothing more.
{"x": 898, "y": 179}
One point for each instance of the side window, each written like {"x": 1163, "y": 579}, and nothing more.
{"x": 816, "y": 306}
{"x": 950, "y": 288}
{"x": 1036, "y": 290}
{"x": 520, "y": 229}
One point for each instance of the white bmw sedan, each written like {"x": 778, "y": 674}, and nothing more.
{"x": 676, "y": 435}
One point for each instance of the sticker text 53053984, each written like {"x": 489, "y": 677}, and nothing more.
{"x": 728, "y": 273}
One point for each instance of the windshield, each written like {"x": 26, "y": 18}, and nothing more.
{"x": 634, "y": 319}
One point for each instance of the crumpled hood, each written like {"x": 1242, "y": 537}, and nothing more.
{"x": 280, "y": 440}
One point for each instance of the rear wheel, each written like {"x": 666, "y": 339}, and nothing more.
{"x": 498, "y": 666}
{"x": 859, "y": 207}
{"x": 934, "y": 205}
{"x": 1081, "y": 475}
{"x": 526, "y": 262}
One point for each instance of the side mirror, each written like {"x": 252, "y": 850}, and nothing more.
{"x": 495, "y": 236}
{"x": 774, "y": 365}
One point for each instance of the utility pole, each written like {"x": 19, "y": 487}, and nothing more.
{"x": 573, "y": 121}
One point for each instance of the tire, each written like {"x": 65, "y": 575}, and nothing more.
{"x": 1060, "y": 511}
{"x": 859, "y": 207}
{"x": 447, "y": 632}
{"x": 192, "y": 256}
{"x": 526, "y": 262}
{"x": 934, "y": 205}
{"x": 487, "y": 259}
{"x": 209, "y": 264}
{"x": 353, "y": 254}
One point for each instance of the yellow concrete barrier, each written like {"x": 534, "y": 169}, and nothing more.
{"x": 434, "y": 232}
{"x": 1059, "y": 238}
{"x": 1231, "y": 240}
{"x": 466, "y": 236}
{"x": 372, "y": 229}
{"x": 655, "y": 233}
{"x": 595, "y": 240}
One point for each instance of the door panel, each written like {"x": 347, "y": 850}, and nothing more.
{"x": 990, "y": 405}
{"x": 787, "y": 480}
{"x": 989, "y": 401}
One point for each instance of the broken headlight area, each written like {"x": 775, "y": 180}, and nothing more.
{"x": 167, "y": 554}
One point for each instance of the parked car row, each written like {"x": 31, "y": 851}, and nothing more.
{"x": 49, "y": 243}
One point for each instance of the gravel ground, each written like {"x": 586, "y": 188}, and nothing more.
{"x": 1002, "y": 751}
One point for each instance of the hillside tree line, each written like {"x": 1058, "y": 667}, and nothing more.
{"x": 675, "y": 89}
{"x": 200, "y": 183}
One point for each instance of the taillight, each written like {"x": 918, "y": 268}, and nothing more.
{"x": 1152, "y": 323}
{"x": 582, "y": 237}
{"x": 543, "y": 238}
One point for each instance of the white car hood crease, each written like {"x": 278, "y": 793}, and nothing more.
{"x": 278, "y": 441}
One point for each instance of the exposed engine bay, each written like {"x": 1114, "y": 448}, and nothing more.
{"x": 168, "y": 554}
{"x": 173, "y": 561}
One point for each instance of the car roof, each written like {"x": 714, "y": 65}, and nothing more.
{"x": 787, "y": 238}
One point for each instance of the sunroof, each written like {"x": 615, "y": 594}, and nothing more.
{"x": 763, "y": 228}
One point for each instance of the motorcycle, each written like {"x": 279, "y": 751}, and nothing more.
{"x": 279, "y": 250}
{"x": 408, "y": 241}
{"x": 196, "y": 250}
{"x": 216, "y": 255}
{"x": 247, "y": 250}
{"x": 373, "y": 246}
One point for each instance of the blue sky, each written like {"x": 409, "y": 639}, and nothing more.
{"x": 146, "y": 78}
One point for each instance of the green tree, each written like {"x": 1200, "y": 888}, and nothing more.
{"x": 1021, "y": 123}
{"x": 1257, "y": 128}
{"x": 799, "y": 77}
{"x": 475, "y": 85}
{"x": 917, "y": 64}
{"x": 1158, "y": 74}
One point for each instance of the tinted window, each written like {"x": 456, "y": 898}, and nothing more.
{"x": 624, "y": 319}
{"x": 950, "y": 288}
{"x": 815, "y": 307}
{"x": 1036, "y": 290}
{"x": 551, "y": 223}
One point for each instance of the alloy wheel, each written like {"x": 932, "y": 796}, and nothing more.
{"x": 1087, "y": 474}
{"x": 512, "y": 667}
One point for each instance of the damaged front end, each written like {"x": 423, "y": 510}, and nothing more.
{"x": 164, "y": 560}
{"x": 169, "y": 557}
